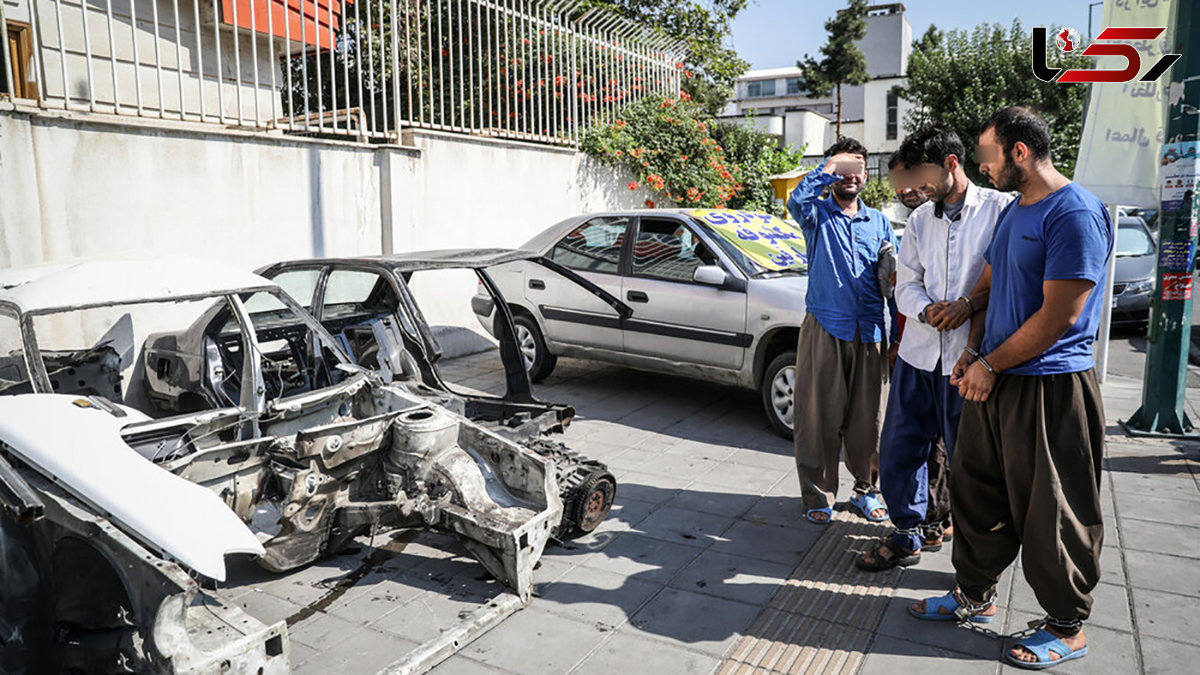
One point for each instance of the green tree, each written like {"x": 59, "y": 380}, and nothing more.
{"x": 962, "y": 78}
{"x": 842, "y": 63}
{"x": 677, "y": 149}
{"x": 710, "y": 67}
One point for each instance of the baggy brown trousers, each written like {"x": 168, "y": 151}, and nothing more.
{"x": 1026, "y": 479}
{"x": 838, "y": 392}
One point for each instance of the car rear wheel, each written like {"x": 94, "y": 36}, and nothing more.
{"x": 538, "y": 360}
{"x": 595, "y": 501}
{"x": 778, "y": 392}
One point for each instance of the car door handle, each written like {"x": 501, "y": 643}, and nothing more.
{"x": 637, "y": 296}
{"x": 537, "y": 284}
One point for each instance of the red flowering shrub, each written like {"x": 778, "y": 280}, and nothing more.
{"x": 666, "y": 143}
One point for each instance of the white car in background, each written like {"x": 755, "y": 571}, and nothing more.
{"x": 715, "y": 294}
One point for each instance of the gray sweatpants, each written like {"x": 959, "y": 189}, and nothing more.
{"x": 1026, "y": 479}
{"x": 839, "y": 387}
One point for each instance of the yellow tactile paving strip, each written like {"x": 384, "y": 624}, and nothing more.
{"x": 822, "y": 618}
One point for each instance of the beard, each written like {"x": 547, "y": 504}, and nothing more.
{"x": 844, "y": 192}
{"x": 913, "y": 199}
{"x": 1011, "y": 177}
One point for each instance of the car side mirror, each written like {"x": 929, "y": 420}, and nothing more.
{"x": 711, "y": 275}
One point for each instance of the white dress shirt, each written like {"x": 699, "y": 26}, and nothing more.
{"x": 939, "y": 260}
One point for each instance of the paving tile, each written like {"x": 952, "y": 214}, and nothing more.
{"x": 685, "y": 526}
{"x": 1162, "y": 657}
{"x": 768, "y": 541}
{"x": 461, "y": 665}
{"x": 898, "y": 623}
{"x": 734, "y": 577}
{"x": 704, "y": 450}
{"x": 778, "y": 458}
{"x": 1168, "y": 573}
{"x": 712, "y": 498}
{"x": 647, "y": 487}
{"x": 680, "y": 466}
{"x": 633, "y": 459}
{"x": 693, "y": 621}
{"x": 740, "y": 475}
{"x": 425, "y": 617}
{"x": 535, "y": 641}
{"x": 641, "y": 557}
{"x": 359, "y": 651}
{"x": 1140, "y": 507}
{"x": 590, "y": 595}
{"x": 626, "y": 653}
{"x": 890, "y": 655}
{"x": 1109, "y": 652}
{"x": 265, "y": 607}
{"x": 1166, "y": 615}
{"x": 1110, "y": 605}
{"x": 1163, "y": 537}
{"x": 1156, "y": 485}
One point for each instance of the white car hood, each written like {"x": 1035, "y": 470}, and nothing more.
{"x": 80, "y": 447}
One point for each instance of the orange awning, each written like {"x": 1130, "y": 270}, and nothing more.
{"x": 306, "y": 22}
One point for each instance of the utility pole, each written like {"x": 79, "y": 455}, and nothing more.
{"x": 1164, "y": 383}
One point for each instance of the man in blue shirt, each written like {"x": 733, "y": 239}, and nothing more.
{"x": 1025, "y": 477}
{"x": 839, "y": 362}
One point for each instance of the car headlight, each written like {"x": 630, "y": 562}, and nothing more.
{"x": 1138, "y": 287}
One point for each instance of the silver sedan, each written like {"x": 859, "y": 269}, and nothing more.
{"x": 716, "y": 295}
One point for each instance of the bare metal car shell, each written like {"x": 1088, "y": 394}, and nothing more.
{"x": 152, "y": 604}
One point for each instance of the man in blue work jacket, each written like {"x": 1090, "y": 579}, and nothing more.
{"x": 840, "y": 363}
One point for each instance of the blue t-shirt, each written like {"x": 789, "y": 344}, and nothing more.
{"x": 1066, "y": 235}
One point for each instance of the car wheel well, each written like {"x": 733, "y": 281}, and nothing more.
{"x": 517, "y": 310}
{"x": 770, "y": 345}
{"x": 88, "y": 590}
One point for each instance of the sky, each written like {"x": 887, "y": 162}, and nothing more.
{"x": 775, "y": 33}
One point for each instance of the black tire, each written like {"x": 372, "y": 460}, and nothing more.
{"x": 770, "y": 398}
{"x": 594, "y": 501}
{"x": 543, "y": 361}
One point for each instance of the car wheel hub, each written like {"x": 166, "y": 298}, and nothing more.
{"x": 527, "y": 346}
{"x": 782, "y": 394}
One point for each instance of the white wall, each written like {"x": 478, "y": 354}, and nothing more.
{"x": 82, "y": 189}
{"x": 806, "y": 127}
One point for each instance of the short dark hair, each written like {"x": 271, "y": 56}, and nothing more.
{"x": 1021, "y": 125}
{"x": 895, "y": 160}
{"x": 931, "y": 144}
{"x": 846, "y": 144}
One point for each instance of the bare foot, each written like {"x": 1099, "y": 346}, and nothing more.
{"x": 818, "y": 516}
{"x": 1073, "y": 642}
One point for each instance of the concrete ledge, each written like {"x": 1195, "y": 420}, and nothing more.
{"x": 457, "y": 341}
{"x": 189, "y": 128}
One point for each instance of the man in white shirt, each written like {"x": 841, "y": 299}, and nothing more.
{"x": 940, "y": 261}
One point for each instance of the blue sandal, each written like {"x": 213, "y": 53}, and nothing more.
{"x": 808, "y": 515}
{"x": 951, "y": 602}
{"x": 1042, "y": 644}
{"x": 866, "y": 503}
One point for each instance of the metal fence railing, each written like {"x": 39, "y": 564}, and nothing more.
{"x": 538, "y": 70}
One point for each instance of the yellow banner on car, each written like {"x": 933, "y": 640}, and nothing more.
{"x": 770, "y": 242}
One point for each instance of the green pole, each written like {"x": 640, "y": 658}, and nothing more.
{"x": 1165, "y": 380}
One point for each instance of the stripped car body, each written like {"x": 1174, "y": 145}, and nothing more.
{"x": 389, "y": 333}
{"x": 113, "y": 505}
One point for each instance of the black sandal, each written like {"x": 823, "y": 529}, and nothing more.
{"x": 900, "y": 557}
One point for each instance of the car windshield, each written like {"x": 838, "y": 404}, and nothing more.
{"x": 1133, "y": 240}
{"x": 759, "y": 243}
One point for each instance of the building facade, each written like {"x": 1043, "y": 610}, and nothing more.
{"x": 772, "y": 100}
